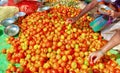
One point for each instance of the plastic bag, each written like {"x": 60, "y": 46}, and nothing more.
{"x": 109, "y": 31}
{"x": 100, "y": 22}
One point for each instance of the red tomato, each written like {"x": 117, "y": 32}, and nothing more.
{"x": 49, "y": 44}
{"x": 91, "y": 63}
{"x": 9, "y": 56}
{"x": 61, "y": 70}
{"x": 96, "y": 71}
{"x": 48, "y": 70}
{"x": 13, "y": 69}
{"x": 72, "y": 72}
{"x": 26, "y": 70}
{"x": 4, "y": 51}
{"x": 66, "y": 70}
{"x": 112, "y": 63}
{"x": 54, "y": 71}
{"x": 8, "y": 71}
{"x": 84, "y": 49}
{"x": 116, "y": 70}
{"x": 18, "y": 70}
{"x": 44, "y": 71}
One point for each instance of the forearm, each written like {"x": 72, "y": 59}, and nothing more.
{"x": 118, "y": 14}
{"x": 88, "y": 8}
{"x": 115, "y": 40}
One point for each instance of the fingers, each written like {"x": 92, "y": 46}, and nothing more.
{"x": 96, "y": 59}
{"x": 112, "y": 13}
{"x": 91, "y": 57}
{"x": 69, "y": 20}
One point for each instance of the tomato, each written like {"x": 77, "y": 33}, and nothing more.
{"x": 8, "y": 71}
{"x": 66, "y": 70}
{"x": 4, "y": 51}
{"x": 47, "y": 44}
{"x": 61, "y": 70}
{"x": 112, "y": 63}
{"x": 96, "y": 71}
{"x": 54, "y": 71}
{"x": 9, "y": 56}
{"x": 116, "y": 70}
{"x": 84, "y": 49}
{"x": 72, "y": 72}
{"x": 91, "y": 63}
{"x": 44, "y": 71}
{"x": 26, "y": 70}
{"x": 48, "y": 70}
{"x": 13, "y": 69}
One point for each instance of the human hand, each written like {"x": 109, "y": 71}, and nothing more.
{"x": 95, "y": 56}
{"x": 72, "y": 20}
{"x": 114, "y": 14}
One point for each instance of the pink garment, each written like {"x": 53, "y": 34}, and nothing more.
{"x": 13, "y": 2}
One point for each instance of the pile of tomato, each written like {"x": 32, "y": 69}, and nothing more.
{"x": 48, "y": 44}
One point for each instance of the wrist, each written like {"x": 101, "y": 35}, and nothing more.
{"x": 102, "y": 52}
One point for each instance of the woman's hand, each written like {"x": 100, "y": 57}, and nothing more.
{"x": 95, "y": 56}
{"x": 114, "y": 14}
{"x": 72, "y": 20}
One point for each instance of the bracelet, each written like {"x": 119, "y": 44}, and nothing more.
{"x": 101, "y": 52}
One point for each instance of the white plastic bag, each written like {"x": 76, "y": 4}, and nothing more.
{"x": 109, "y": 31}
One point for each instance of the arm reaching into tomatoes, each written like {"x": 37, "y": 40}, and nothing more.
{"x": 95, "y": 56}
{"x": 114, "y": 41}
{"x": 113, "y": 33}
{"x": 85, "y": 10}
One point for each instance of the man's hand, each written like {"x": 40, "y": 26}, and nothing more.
{"x": 72, "y": 20}
{"x": 95, "y": 56}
